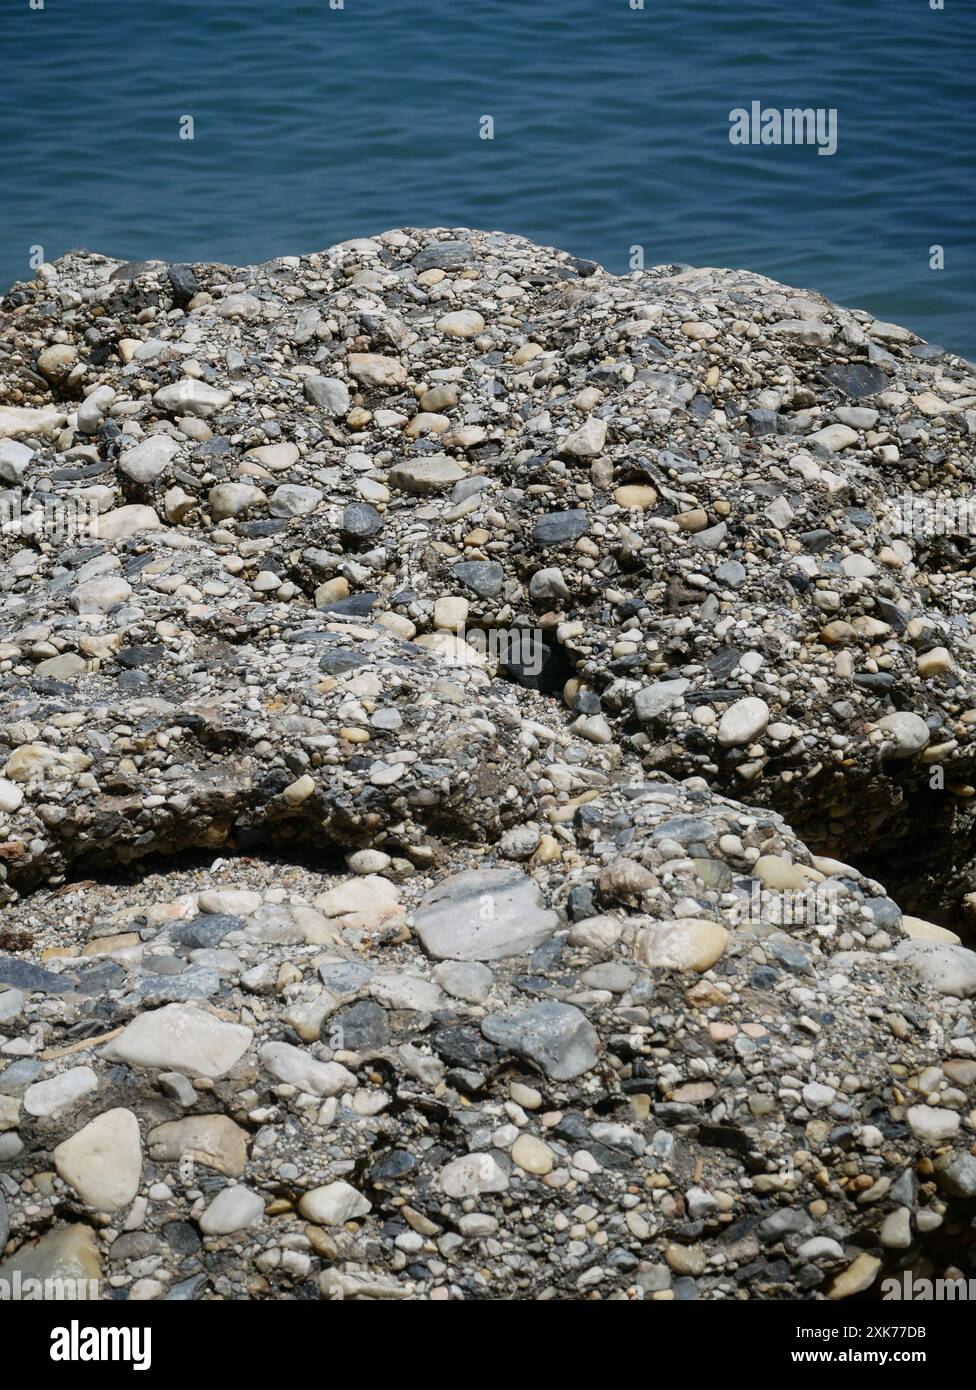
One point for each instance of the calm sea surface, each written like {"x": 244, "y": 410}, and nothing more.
{"x": 611, "y": 129}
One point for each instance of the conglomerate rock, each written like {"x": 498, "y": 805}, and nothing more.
{"x": 492, "y": 619}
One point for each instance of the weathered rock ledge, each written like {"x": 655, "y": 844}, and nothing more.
{"x": 494, "y": 619}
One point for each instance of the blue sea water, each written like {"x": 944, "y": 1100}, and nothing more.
{"x": 313, "y": 124}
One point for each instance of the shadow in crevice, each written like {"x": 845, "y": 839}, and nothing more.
{"x": 327, "y": 859}
{"x": 929, "y": 866}
{"x": 940, "y": 1257}
{"x": 530, "y": 658}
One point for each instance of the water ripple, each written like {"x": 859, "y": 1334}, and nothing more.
{"x": 611, "y": 129}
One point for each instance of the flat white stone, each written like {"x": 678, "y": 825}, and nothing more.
{"x": 465, "y": 323}
{"x": 11, "y": 797}
{"x": 190, "y": 397}
{"x": 405, "y": 992}
{"x": 471, "y": 1176}
{"x": 235, "y": 902}
{"x": 909, "y": 731}
{"x": 59, "y": 1093}
{"x": 434, "y": 474}
{"x": 333, "y": 1205}
{"x": 484, "y": 914}
{"x": 299, "y": 1068}
{"x": 931, "y": 1124}
{"x": 126, "y": 521}
{"x": 233, "y": 1209}
{"x": 103, "y": 1161}
{"x": 743, "y": 722}
{"x": 653, "y": 700}
{"x": 181, "y": 1038}
{"x": 100, "y": 595}
{"x": 944, "y": 967}
{"x": 15, "y": 419}
{"x": 833, "y": 437}
{"x": 148, "y": 459}
{"x": 586, "y": 442}
{"x": 374, "y": 370}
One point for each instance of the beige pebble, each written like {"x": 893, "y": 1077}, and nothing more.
{"x": 532, "y": 1155}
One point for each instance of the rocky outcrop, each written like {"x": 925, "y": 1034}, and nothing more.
{"x": 703, "y": 489}
{"x": 574, "y": 704}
